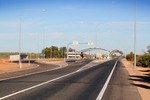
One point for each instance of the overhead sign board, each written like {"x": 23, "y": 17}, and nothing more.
{"x": 90, "y": 43}
{"x": 75, "y": 43}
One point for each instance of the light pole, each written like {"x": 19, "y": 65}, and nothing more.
{"x": 51, "y": 51}
{"x": 43, "y": 30}
{"x": 44, "y": 42}
{"x": 96, "y": 40}
{"x": 37, "y": 46}
{"x": 30, "y": 51}
{"x": 20, "y": 33}
{"x": 135, "y": 38}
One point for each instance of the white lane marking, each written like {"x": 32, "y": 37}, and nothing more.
{"x": 99, "y": 97}
{"x": 29, "y": 74}
{"x": 4, "y": 97}
{"x": 7, "y": 96}
{"x": 84, "y": 67}
{"x": 60, "y": 66}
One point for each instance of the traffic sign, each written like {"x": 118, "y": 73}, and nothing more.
{"x": 90, "y": 43}
{"x": 41, "y": 54}
{"x": 75, "y": 43}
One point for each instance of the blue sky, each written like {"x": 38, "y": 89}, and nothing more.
{"x": 74, "y": 20}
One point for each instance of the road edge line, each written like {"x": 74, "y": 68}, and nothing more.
{"x": 30, "y": 74}
{"x": 4, "y": 97}
{"x": 99, "y": 97}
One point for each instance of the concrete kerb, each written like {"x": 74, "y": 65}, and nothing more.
{"x": 61, "y": 64}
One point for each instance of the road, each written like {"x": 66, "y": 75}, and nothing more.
{"x": 70, "y": 83}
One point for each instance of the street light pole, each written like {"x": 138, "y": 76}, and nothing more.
{"x": 20, "y": 33}
{"x": 44, "y": 43}
{"x": 67, "y": 49}
{"x": 51, "y": 51}
{"x": 20, "y": 40}
{"x": 99, "y": 46}
{"x": 96, "y": 40}
{"x": 135, "y": 38}
{"x": 37, "y": 46}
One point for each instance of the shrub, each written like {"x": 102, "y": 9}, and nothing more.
{"x": 130, "y": 56}
{"x": 144, "y": 60}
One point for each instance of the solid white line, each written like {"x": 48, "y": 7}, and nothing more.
{"x": 84, "y": 67}
{"x": 99, "y": 97}
{"x": 4, "y": 97}
{"x": 35, "y": 86}
{"x": 29, "y": 74}
{"x": 60, "y": 66}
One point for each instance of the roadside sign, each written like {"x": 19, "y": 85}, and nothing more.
{"x": 41, "y": 54}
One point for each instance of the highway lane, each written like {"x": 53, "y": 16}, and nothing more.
{"x": 17, "y": 84}
{"x": 82, "y": 85}
{"x": 120, "y": 86}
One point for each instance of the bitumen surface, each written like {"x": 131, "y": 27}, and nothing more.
{"x": 68, "y": 84}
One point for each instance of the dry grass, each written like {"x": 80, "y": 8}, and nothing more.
{"x": 50, "y": 60}
{"x": 12, "y": 66}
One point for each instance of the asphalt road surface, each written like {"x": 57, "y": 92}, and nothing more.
{"x": 70, "y": 84}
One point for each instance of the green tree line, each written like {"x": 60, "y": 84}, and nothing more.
{"x": 142, "y": 60}
{"x": 55, "y": 52}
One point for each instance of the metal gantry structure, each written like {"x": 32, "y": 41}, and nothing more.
{"x": 76, "y": 43}
{"x": 95, "y": 49}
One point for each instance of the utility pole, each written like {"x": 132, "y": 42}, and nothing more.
{"x": 135, "y": 38}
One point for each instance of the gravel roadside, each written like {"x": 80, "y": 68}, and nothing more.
{"x": 140, "y": 77}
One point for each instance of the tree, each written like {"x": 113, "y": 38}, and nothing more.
{"x": 63, "y": 51}
{"x": 130, "y": 56}
{"x": 148, "y": 47}
{"x": 47, "y": 52}
{"x": 54, "y": 52}
{"x": 71, "y": 50}
{"x": 144, "y": 60}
